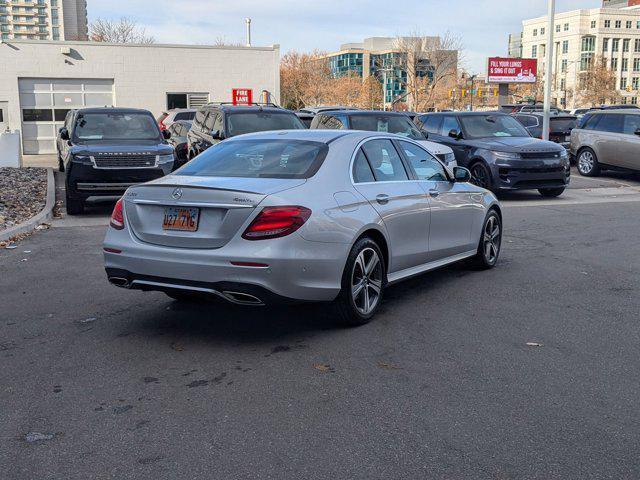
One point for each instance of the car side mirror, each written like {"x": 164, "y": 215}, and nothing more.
{"x": 453, "y": 133}
{"x": 64, "y": 133}
{"x": 217, "y": 135}
{"x": 426, "y": 135}
{"x": 461, "y": 174}
{"x": 166, "y": 134}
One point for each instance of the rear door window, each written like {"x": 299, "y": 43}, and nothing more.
{"x": 185, "y": 115}
{"x": 631, "y": 124}
{"x": 449, "y": 123}
{"x": 384, "y": 161}
{"x": 361, "y": 170}
{"x": 610, "y": 122}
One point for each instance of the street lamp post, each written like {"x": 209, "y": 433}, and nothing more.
{"x": 548, "y": 72}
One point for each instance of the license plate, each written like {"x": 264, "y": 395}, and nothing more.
{"x": 184, "y": 219}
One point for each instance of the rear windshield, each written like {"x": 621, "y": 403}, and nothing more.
{"x": 563, "y": 124}
{"x": 249, "y": 122}
{"x": 185, "y": 115}
{"x": 258, "y": 159}
{"x": 480, "y": 126}
{"x": 397, "y": 124}
{"x": 115, "y": 126}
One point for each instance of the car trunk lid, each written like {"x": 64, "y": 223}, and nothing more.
{"x": 223, "y": 206}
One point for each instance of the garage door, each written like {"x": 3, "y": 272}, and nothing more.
{"x": 44, "y": 103}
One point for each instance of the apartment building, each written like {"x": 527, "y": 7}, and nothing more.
{"x": 43, "y": 20}
{"x": 379, "y": 57}
{"x": 612, "y": 31}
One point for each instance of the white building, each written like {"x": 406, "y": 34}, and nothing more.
{"x": 41, "y": 80}
{"x": 579, "y": 37}
{"x": 43, "y": 20}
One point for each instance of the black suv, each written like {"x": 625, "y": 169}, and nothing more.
{"x": 560, "y": 126}
{"x": 214, "y": 122}
{"x": 106, "y": 150}
{"x": 499, "y": 151}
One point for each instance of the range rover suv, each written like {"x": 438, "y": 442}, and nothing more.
{"x": 106, "y": 150}
{"x": 216, "y": 121}
{"x": 500, "y": 152}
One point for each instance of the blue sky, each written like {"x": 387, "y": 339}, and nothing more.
{"x": 304, "y": 25}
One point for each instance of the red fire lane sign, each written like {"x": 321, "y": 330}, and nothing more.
{"x": 242, "y": 96}
{"x": 512, "y": 70}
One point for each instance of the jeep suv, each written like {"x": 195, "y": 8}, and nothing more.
{"x": 499, "y": 151}
{"x": 106, "y": 150}
{"x": 215, "y": 122}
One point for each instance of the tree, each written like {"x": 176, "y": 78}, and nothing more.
{"x": 597, "y": 84}
{"x": 431, "y": 66}
{"x": 124, "y": 30}
{"x": 305, "y": 79}
{"x": 370, "y": 95}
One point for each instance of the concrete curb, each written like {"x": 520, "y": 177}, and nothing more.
{"x": 45, "y": 214}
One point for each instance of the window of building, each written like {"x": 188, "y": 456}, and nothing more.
{"x": 54, "y": 3}
{"x": 534, "y": 51}
{"x": 566, "y": 27}
{"x": 589, "y": 43}
{"x": 607, "y": 24}
{"x": 543, "y": 49}
{"x": 614, "y": 64}
{"x": 563, "y": 84}
{"x": 634, "y": 100}
{"x": 535, "y": 32}
{"x": 615, "y": 45}
{"x": 558, "y": 28}
{"x": 635, "y": 82}
{"x": 638, "y": 24}
{"x": 625, "y": 45}
{"x": 542, "y": 31}
{"x": 593, "y": 24}
{"x": 628, "y": 24}
{"x": 623, "y": 83}
{"x": 586, "y": 60}
{"x": 563, "y": 66}
{"x": 636, "y": 45}
{"x": 605, "y": 44}
{"x": 636, "y": 64}
{"x": 625, "y": 64}
{"x": 565, "y": 46}
{"x": 618, "y": 24}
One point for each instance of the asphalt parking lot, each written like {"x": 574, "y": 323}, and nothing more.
{"x": 527, "y": 371}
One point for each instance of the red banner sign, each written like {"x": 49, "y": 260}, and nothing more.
{"x": 242, "y": 96}
{"x": 512, "y": 70}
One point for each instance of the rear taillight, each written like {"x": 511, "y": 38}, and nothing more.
{"x": 117, "y": 217}
{"x": 274, "y": 222}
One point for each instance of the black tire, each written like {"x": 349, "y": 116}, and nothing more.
{"x": 485, "y": 259}
{"x": 587, "y": 163}
{"x": 75, "y": 206}
{"x": 551, "y": 192}
{"x": 351, "y": 310}
{"x": 481, "y": 175}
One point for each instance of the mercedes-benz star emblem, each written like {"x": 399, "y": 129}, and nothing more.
{"x": 177, "y": 194}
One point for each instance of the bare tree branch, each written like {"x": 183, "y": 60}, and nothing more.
{"x": 124, "y": 30}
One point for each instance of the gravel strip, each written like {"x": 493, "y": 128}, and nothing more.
{"x": 23, "y": 193}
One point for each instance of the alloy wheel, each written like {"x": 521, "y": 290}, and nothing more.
{"x": 586, "y": 162}
{"x": 491, "y": 239}
{"x": 366, "y": 281}
{"x": 479, "y": 176}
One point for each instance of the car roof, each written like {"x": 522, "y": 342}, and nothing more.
{"x": 468, "y": 114}
{"x": 178, "y": 110}
{"x": 246, "y": 108}
{"x": 615, "y": 111}
{"x": 324, "y": 108}
{"x": 368, "y": 112}
{"x": 317, "y": 135}
{"x": 112, "y": 110}
{"x": 541, "y": 114}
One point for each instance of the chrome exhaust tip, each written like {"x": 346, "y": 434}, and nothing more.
{"x": 242, "y": 298}
{"x": 119, "y": 282}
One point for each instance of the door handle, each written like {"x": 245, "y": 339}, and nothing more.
{"x": 433, "y": 192}
{"x": 382, "y": 199}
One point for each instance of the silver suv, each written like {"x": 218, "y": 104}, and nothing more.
{"x": 607, "y": 140}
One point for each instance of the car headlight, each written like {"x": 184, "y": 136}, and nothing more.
{"x": 563, "y": 153}
{"x": 165, "y": 158}
{"x": 507, "y": 155}
{"x": 81, "y": 159}
{"x": 449, "y": 157}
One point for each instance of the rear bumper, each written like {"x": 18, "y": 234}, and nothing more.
{"x": 508, "y": 177}
{"x": 295, "y": 269}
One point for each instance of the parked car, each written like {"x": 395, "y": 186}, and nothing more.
{"x": 607, "y": 140}
{"x": 578, "y": 112}
{"x": 170, "y": 116}
{"x": 178, "y": 132}
{"x": 324, "y": 108}
{"x": 301, "y": 215}
{"x": 615, "y": 107}
{"x": 560, "y": 126}
{"x": 526, "y": 108}
{"x": 379, "y": 121}
{"x": 499, "y": 151}
{"x": 106, "y": 150}
{"x": 215, "y": 122}
{"x": 305, "y": 117}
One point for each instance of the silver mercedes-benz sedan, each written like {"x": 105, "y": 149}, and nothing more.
{"x": 301, "y": 215}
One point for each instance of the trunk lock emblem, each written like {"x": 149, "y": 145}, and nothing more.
{"x": 177, "y": 194}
